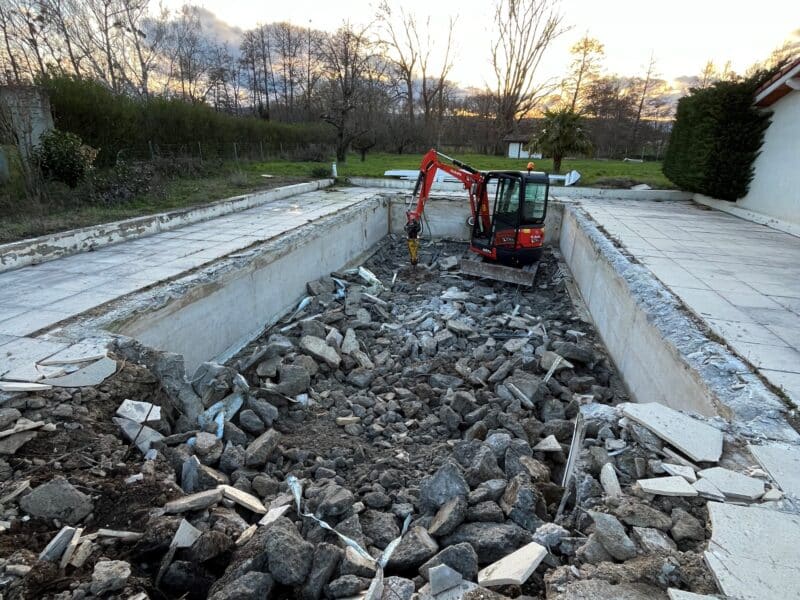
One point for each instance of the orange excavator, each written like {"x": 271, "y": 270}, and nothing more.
{"x": 507, "y": 223}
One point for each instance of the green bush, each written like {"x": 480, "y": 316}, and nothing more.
{"x": 62, "y": 156}
{"x": 320, "y": 172}
{"x": 715, "y": 140}
{"x": 126, "y": 127}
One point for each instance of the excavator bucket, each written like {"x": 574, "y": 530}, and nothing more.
{"x": 524, "y": 276}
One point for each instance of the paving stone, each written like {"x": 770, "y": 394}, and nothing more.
{"x": 186, "y": 535}
{"x": 139, "y": 412}
{"x": 782, "y": 462}
{"x": 667, "y": 486}
{"x": 753, "y": 552}
{"x": 683, "y": 595}
{"x": 699, "y": 441}
{"x": 681, "y": 470}
{"x": 273, "y": 514}
{"x": 93, "y": 374}
{"x": 734, "y": 485}
{"x": 515, "y": 568}
{"x": 706, "y": 489}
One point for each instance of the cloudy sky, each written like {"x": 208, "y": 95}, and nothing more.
{"x": 682, "y": 34}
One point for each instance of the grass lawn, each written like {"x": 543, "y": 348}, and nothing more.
{"x": 593, "y": 172}
{"x": 188, "y": 191}
{"x": 176, "y": 194}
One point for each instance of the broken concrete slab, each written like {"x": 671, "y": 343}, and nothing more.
{"x": 57, "y": 499}
{"x": 319, "y": 349}
{"x": 698, "y": 440}
{"x": 244, "y": 499}
{"x": 652, "y": 540}
{"x": 136, "y": 433}
{"x": 93, "y": 374}
{"x": 84, "y": 351}
{"x": 21, "y": 386}
{"x": 782, "y": 462}
{"x": 753, "y": 553}
{"x": 71, "y": 547}
{"x": 708, "y": 490}
{"x": 734, "y": 485}
{"x": 674, "y": 485}
{"x": 680, "y": 470}
{"x": 514, "y": 569}
{"x": 139, "y": 412}
{"x": 55, "y": 549}
{"x": 683, "y": 595}
{"x": 196, "y": 501}
{"x": 273, "y": 514}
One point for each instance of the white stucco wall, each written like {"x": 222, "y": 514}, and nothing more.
{"x": 775, "y": 189}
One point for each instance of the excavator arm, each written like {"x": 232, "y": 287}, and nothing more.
{"x": 432, "y": 162}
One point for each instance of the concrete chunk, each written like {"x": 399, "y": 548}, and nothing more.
{"x": 698, "y": 440}
{"x": 319, "y": 349}
{"x": 548, "y": 444}
{"x": 515, "y": 568}
{"x": 734, "y": 485}
{"x": 442, "y": 577}
{"x": 609, "y": 481}
{"x": 141, "y": 435}
{"x": 753, "y": 552}
{"x": 667, "y": 486}
{"x": 186, "y": 535}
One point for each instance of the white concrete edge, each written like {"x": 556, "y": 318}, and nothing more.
{"x": 732, "y": 209}
{"x": 50, "y": 247}
{"x": 555, "y": 191}
{"x": 662, "y": 354}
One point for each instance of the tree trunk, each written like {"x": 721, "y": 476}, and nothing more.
{"x": 557, "y": 162}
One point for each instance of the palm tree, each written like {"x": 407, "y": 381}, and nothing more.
{"x": 562, "y": 133}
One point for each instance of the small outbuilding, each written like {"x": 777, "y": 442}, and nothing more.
{"x": 517, "y": 146}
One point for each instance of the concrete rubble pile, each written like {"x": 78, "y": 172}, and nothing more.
{"x": 401, "y": 434}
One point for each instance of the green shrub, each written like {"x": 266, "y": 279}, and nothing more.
{"x": 715, "y": 140}
{"x": 320, "y": 172}
{"x": 62, "y": 156}
{"x": 120, "y": 125}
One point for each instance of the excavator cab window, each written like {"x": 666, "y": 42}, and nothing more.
{"x": 534, "y": 203}
{"x": 506, "y": 207}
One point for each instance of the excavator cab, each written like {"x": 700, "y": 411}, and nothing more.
{"x": 509, "y": 212}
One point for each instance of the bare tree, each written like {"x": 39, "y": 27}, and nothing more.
{"x": 643, "y": 96}
{"x": 525, "y": 30}
{"x": 587, "y": 57}
{"x": 348, "y": 56}
{"x": 404, "y": 44}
